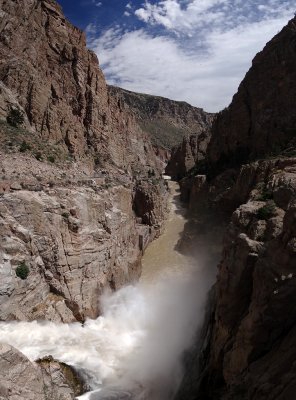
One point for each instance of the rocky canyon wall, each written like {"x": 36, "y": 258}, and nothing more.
{"x": 72, "y": 174}
{"x": 168, "y": 123}
{"x": 261, "y": 119}
{"x": 247, "y": 349}
{"x": 47, "y": 71}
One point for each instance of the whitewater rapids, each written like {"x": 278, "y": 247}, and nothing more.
{"x": 135, "y": 348}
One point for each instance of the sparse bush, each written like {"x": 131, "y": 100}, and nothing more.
{"x": 24, "y": 146}
{"x": 266, "y": 211}
{"x": 65, "y": 215}
{"x": 38, "y": 156}
{"x": 15, "y": 117}
{"x": 265, "y": 195}
{"x": 97, "y": 160}
{"x": 151, "y": 173}
{"x": 22, "y": 270}
{"x": 51, "y": 158}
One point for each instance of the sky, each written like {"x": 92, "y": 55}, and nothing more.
{"x": 189, "y": 50}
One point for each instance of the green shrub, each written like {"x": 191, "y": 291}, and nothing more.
{"x": 265, "y": 195}
{"x": 15, "y": 117}
{"x": 38, "y": 156}
{"x": 65, "y": 215}
{"x": 22, "y": 271}
{"x": 24, "y": 146}
{"x": 97, "y": 160}
{"x": 266, "y": 211}
{"x": 155, "y": 181}
{"x": 151, "y": 173}
{"x": 51, "y": 158}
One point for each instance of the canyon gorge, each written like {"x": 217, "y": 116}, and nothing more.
{"x": 115, "y": 281}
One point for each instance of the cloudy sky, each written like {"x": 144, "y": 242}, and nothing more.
{"x": 192, "y": 50}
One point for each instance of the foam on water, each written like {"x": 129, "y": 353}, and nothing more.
{"x": 138, "y": 342}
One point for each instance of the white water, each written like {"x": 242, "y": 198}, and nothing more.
{"x": 137, "y": 344}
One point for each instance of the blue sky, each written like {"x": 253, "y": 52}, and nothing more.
{"x": 191, "y": 50}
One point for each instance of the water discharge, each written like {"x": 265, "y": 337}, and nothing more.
{"x": 134, "y": 350}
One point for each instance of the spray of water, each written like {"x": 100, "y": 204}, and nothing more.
{"x": 136, "y": 345}
{"x": 134, "y": 350}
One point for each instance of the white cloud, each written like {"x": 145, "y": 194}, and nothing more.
{"x": 192, "y": 15}
{"x": 196, "y": 62}
{"x": 97, "y": 3}
{"x": 91, "y": 31}
{"x": 127, "y": 14}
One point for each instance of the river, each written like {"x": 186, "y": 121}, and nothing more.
{"x": 134, "y": 350}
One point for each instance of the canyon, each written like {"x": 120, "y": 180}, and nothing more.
{"x": 82, "y": 193}
{"x": 83, "y": 198}
{"x": 246, "y": 189}
{"x": 169, "y": 123}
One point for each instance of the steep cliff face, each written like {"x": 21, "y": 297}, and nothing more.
{"x": 185, "y": 156}
{"x": 46, "y": 69}
{"x": 245, "y": 341}
{"x": 75, "y": 239}
{"x": 261, "y": 119}
{"x": 70, "y": 175}
{"x": 166, "y": 121}
{"x": 46, "y": 380}
{"x": 248, "y": 346}
{"x": 259, "y": 122}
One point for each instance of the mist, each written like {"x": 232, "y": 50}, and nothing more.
{"x": 135, "y": 349}
{"x": 135, "y": 346}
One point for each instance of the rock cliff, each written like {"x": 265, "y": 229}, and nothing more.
{"x": 76, "y": 236}
{"x": 75, "y": 168}
{"x": 71, "y": 173}
{"x": 190, "y": 152}
{"x": 247, "y": 349}
{"x": 47, "y": 71}
{"x": 166, "y": 121}
{"x": 261, "y": 119}
{"x": 46, "y": 380}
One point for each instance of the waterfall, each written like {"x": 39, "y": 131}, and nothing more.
{"x": 135, "y": 347}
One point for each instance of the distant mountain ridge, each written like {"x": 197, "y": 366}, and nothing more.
{"x": 166, "y": 121}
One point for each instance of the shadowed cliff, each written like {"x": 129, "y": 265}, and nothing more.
{"x": 247, "y": 188}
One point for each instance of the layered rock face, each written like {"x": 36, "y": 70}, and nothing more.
{"x": 166, "y": 121}
{"x": 191, "y": 151}
{"x": 75, "y": 240}
{"x": 69, "y": 220}
{"x": 243, "y": 353}
{"x": 259, "y": 122}
{"x": 247, "y": 350}
{"x": 47, "y": 71}
{"x": 261, "y": 119}
{"x": 46, "y": 380}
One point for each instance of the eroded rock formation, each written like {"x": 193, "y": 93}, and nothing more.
{"x": 45, "y": 380}
{"x": 47, "y": 71}
{"x": 70, "y": 174}
{"x": 191, "y": 151}
{"x": 75, "y": 241}
{"x": 166, "y": 121}
{"x": 248, "y": 343}
{"x": 261, "y": 118}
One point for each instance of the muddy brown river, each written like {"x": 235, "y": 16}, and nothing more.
{"x": 161, "y": 256}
